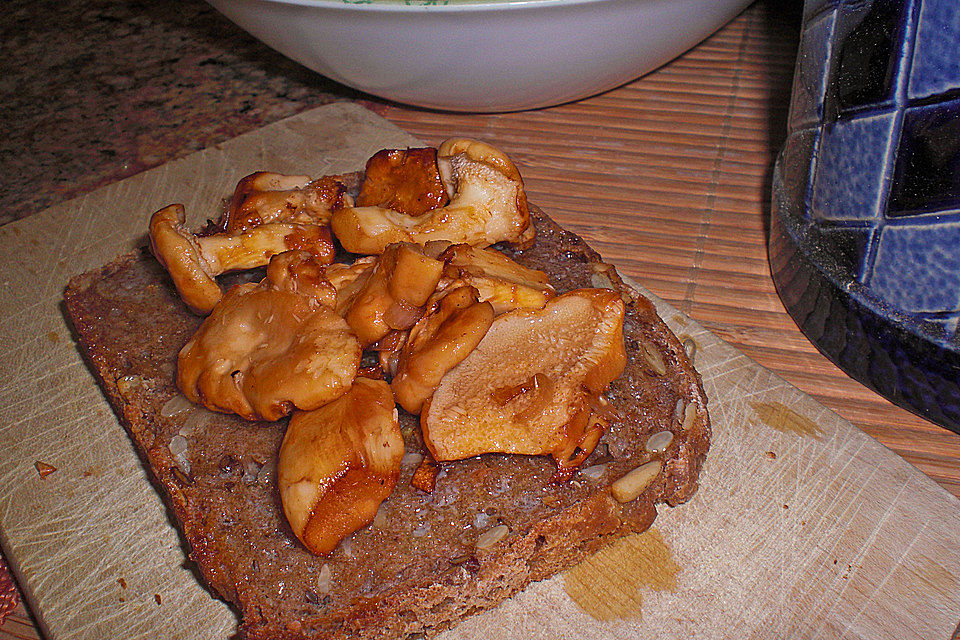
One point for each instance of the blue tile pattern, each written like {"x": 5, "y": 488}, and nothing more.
{"x": 883, "y": 140}
{"x": 849, "y": 246}
{"x": 927, "y": 172}
{"x": 846, "y": 185}
{"x": 865, "y": 236}
{"x": 936, "y": 65}
{"x": 868, "y": 42}
{"x": 810, "y": 75}
{"x": 917, "y": 267}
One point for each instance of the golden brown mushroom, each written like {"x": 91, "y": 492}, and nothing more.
{"x": 502, "y": 282}
{"x": 449, "y": 330}
{"x": 391, "y": 294}
{"x": 407, "y": 181}
{"x": 488, "y": 205}
{"x": 438, "y": 343}
{"x": 531, "y": 385}
{"x": 194, "y": 261}
{"x": 338, "y": 463}
{"x": 268, "y": 348}
{"x": 264, "y": 197}
{"x": 346, "y": 279}
{"x": 300, "y": 272}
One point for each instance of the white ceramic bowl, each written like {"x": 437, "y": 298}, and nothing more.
{"x": 487, "y": 55}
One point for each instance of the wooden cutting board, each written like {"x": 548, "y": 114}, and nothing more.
{"x": 803, "y": 528}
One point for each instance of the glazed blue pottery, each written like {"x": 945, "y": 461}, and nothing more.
{"x": 865, "y": 230}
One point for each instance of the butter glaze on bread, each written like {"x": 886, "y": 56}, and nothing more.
{"x": 425, "y": 563}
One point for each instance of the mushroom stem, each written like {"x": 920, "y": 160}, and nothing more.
{"x": 194, "y": 261}
{"x": 254, "y": 247}
{"x": 499, "y": 280}
{"x": 391, "y": 294}
{"x": 438, "y": 343}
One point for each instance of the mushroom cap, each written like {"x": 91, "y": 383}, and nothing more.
{"x": 390, "y": 294}
{"x": 529, "y": 386}
{"x": 301, "y": 272}
{"x": 479, "y": 152}
{"x": 338, "y": 463}
{"x": 264, "y": 351}
{"x": 505, "y": 284}
{"x": 488, "y": 205}
{"x": 437, "y": 343}
{"x": 405, "y": 180}
{"x": 265, "y": 197}
{"x": 176, "y": 249}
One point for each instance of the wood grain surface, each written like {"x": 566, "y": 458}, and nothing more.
{"x": 668, "y": 177}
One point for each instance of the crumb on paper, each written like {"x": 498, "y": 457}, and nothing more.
{"x": 156, "y": 597}
{"x": 43, "y": 468}
{"x": 122, "y": 582}
{"x": 771, "y": 455}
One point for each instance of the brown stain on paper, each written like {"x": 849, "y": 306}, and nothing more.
{"x": 609, "y": 585}
{"x": 782, "y": 418}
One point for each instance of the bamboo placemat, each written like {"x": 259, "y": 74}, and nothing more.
{"x": 669, "y": 178}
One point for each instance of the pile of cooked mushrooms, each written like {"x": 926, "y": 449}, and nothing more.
{"x": 479, "y": 346}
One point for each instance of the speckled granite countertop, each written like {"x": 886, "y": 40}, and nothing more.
{"x": 98, "y": 90}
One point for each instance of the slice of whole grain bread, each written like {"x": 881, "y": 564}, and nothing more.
{"x": 428, "y": 560}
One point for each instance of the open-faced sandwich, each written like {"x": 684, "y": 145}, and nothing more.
{"x": 377, "y": 403}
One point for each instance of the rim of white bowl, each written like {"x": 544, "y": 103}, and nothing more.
{"x": 430, "y": 5}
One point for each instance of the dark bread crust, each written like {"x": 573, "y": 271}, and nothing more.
{"x": 419, "y": 570}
